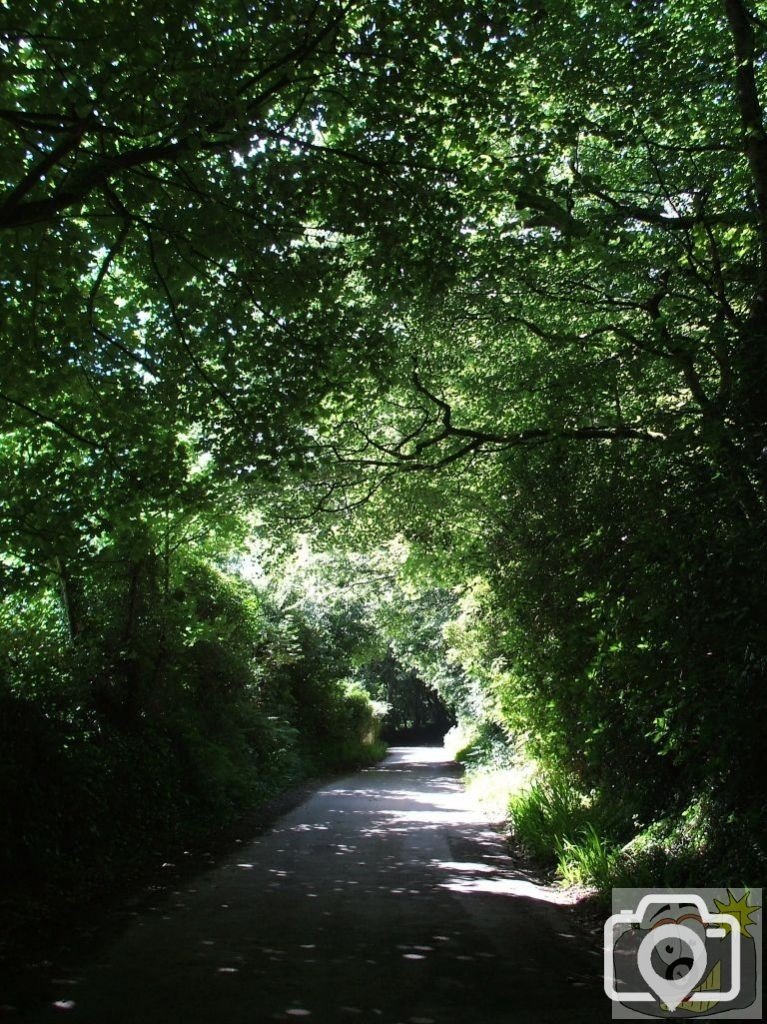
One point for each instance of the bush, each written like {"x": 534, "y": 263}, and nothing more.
{"x": 483, "y": 744}
{"x": 114, "y": 741}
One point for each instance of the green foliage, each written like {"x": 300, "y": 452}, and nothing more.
{"x": 473, "y": 290}
{"x": 201, "y": 700}
{"x": 547, "y": 815}
{"x": 589, "y": 860}
{"x": 561, "y": 827}
{"x": 480, "y": 745}
{"x": 351, "y": 731}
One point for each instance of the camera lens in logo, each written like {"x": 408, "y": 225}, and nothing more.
{"x": 683, "y": 960}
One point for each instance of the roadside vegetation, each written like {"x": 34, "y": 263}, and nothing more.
{"x": 201, "y": 696}
{"x": 589, "y": 842}
{"x": 383, "y": 354}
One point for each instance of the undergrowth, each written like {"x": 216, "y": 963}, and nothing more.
{"x": 595, "y": 841}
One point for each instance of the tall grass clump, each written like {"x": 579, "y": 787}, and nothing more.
{"x": 590, "y": 859}
{"x": 566, "y": 829}
{"x": 545, "y": 815}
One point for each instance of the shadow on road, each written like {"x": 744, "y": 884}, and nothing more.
{"x": 386, "y": 896}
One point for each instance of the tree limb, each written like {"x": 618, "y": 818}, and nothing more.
{"x": 17, "y": 212}
{"x": 473, "y": 441}
{"x": 752, "y": 123}
{"x": 42, "y": 167}
{"x": 49, "y": 420}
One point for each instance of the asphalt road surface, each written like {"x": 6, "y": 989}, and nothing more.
{"x": 385, "y": 897}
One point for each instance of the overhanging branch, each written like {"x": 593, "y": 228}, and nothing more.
{"x": 49, "y": 420}
{"x": 448, "y": 443}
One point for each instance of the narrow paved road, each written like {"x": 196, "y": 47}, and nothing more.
{"x": 385, "y": 897}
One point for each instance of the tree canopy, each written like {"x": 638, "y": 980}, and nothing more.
{"x": 485, "y": 282}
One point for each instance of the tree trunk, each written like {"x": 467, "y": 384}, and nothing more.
{"x": 71, "y": 600}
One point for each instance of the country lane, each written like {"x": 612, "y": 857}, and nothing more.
{"x": 385, "y": 897}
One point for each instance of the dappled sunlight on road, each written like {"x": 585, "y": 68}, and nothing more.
{"x": 509, "y": 887}
{"x": 386, "y": 896}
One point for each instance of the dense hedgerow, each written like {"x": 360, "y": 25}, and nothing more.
{"x": 208, "y": 700}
